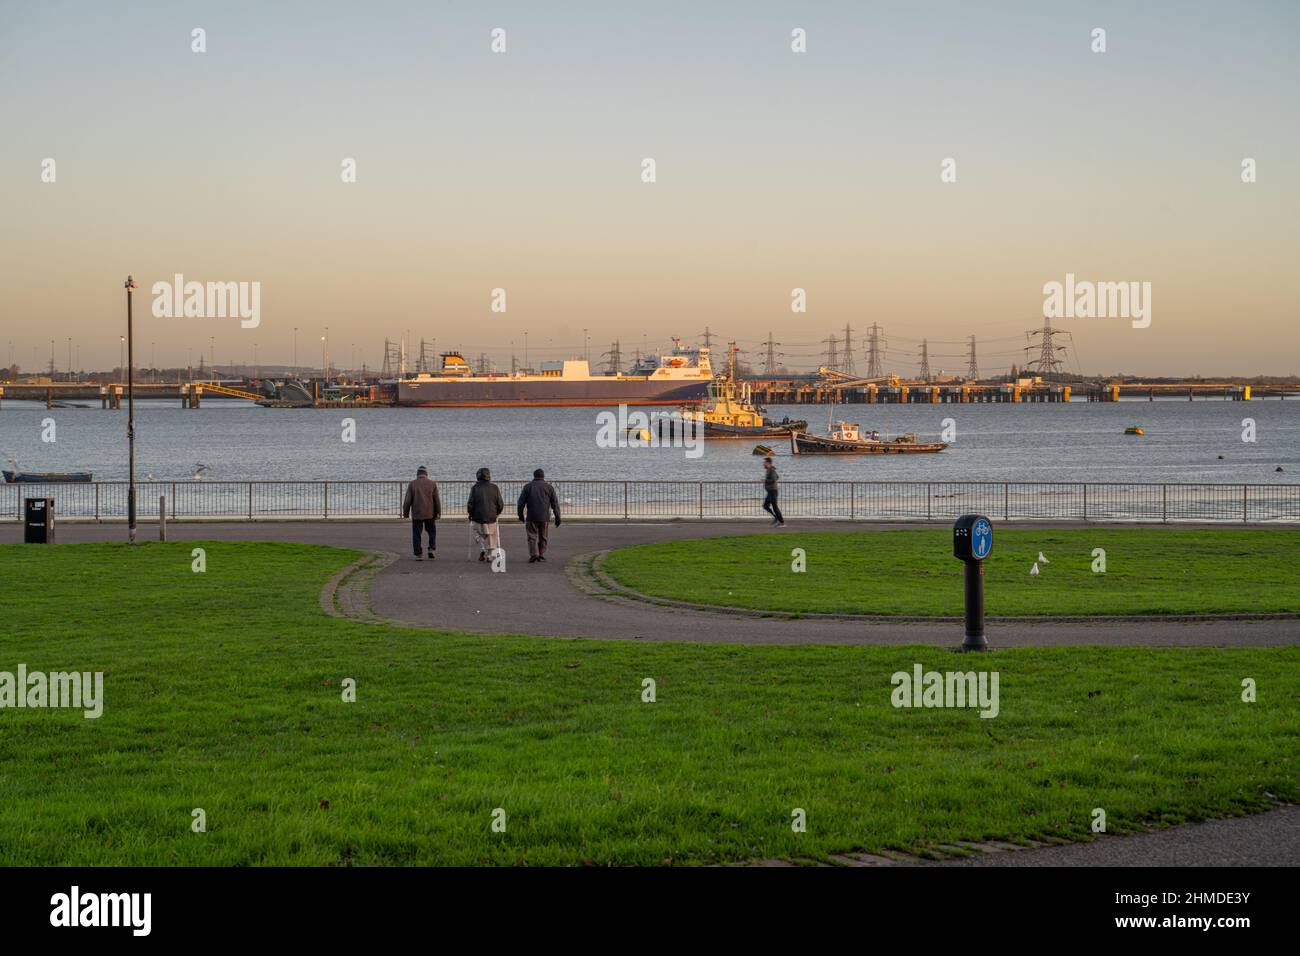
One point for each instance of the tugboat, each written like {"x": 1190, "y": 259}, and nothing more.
{"x": 1134, "y": 430}
{"x": 846, "y": 439}
{"x": 729, "y": 411}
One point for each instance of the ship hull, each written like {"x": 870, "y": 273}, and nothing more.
{"x": 45, "y": 477}
{"x": 712, "y": 430}
{"x": 541, "y": 394}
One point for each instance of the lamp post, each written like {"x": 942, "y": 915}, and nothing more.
{"x": 121, "y": 357}
{"x": 325, "y": 354}
{"x": 130, "y": 416}
{"x": 295, "y": 351}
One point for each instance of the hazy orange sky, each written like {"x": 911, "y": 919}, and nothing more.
{"x": 775, "y": 170}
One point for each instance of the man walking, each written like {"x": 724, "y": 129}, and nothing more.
{"x": 770, "y": 478}
{"x": 423, "y": 507}
{"x": 485, "y": 506}
{"x": 538, "y": 500}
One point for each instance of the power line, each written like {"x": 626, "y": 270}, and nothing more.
{"x": 832, "y": 357}
{"x": 1047, "y": 363}
{"x": 615, "y": 356}
{"x": 875, "y": 369}
{"x": 769, "y": 362}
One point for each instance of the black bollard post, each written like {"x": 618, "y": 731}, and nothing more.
{"x": 974, "y": 639}
{"x": 972, "y": 540}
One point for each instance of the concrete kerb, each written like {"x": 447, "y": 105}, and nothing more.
{"x": 347, "y": 593}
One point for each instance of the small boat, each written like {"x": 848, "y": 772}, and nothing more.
{"x": 846, "y": 439}
{"x": 1134, "y": 430}
{"x": 46, "y": 476}
{"x": 764, "y": 450}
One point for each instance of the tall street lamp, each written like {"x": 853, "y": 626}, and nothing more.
{"x": 130, "y": 415}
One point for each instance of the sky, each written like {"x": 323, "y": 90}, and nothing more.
{"x": 774, "y": 170}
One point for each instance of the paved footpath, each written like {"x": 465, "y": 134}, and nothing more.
{"x": 543, "y": 599}
{"x": 1262, "y": 839}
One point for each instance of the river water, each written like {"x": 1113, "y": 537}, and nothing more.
{"x": 1068, "y": 442}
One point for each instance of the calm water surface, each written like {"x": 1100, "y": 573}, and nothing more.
{"x": 1079, "y": 441}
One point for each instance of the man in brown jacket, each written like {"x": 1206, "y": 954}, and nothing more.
{"x": 423, "y": 507}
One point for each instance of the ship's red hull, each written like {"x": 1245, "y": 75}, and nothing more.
{"x": 586, "y": 393}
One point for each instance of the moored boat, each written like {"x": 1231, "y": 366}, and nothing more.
{"x": 847, "y": 439}
{"x": 46, "y": 476}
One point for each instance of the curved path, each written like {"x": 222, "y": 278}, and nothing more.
{"x": 560, "y": 598}
{"x": 551, "y": 599}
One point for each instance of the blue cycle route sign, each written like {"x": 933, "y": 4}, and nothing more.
{"x": 981, "y": 539}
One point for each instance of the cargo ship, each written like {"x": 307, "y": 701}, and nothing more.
{"x": 682, "y": 376}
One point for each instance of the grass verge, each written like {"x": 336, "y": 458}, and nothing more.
{"x": 222, "y": 692}
{"x": 1147, "y": 572}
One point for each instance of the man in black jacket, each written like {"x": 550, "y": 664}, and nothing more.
{"x": 423, "y": 507}
{"x": 485, "y": 506}
{"x": 539, "y": 500}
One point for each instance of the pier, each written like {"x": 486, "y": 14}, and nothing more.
{"x": 896, "y": 392}
{"x": 773, "y": 391}
{"x": 112, "y": 396}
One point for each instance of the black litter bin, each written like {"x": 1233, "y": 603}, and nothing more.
{"x": 38, "y": 520}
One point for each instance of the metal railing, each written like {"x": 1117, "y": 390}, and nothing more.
{"x": 852, "y": 500}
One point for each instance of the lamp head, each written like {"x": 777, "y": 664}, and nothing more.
{"x": 130, "y": 283}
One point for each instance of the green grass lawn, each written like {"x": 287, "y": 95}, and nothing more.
{"x": 222, "y": 692}
{"x": 1148, "y": 571}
